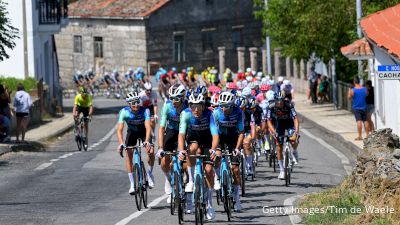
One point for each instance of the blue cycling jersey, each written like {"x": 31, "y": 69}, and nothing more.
{"x": 202, "y": 124}
{"x": 134, "y": 120}
{"x": 229, "y": 124}
{"x": 170, "y": 117}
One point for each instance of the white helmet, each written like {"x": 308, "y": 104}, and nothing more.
{"x": 280, "y": 79}
{"x": 226, "y": 97}
{"x": 270, "y": 95}
{"x": 256, "y": 83}
{"x": 253, "y": 72}
{"x": 148, "y": 86}
{"x": 177, "y": 90}
{"x": 264, "y": 80}
{"x": 271, "y": 82}
{"x": 286, "y": 82}
{"x": 132, "y": 96}
{"x": 239, "y": 85}
{"x": 249, "y": 78}
{"x": 246, "y": 91}
{"x": 196, "y": 98}
{"x": 248, "y": 70}
{"x": 259, "y": 74}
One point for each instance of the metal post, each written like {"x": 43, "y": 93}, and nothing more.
{"x": 359, "y": 33}
{"x": 334, "y": 83}
{"x": 268, "y": 46}
{"x": 25, "y": 40}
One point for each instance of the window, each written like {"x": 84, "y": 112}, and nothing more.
{"x": 77, "y": 44}
{"x": 179, "y": 48}
{"x": 207, "y": 38}
{"x": 237, "y": 39}
{"x": 98, "y": 47}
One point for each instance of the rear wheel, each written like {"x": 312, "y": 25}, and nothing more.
{"x": 198, "y": 204}
{"x": 138, "y": 188}
{"x": 243, "y": 176}
{"x": 78, "y": 142}
{"x": 287, "y": 169}
{"x": 226, "y": 197}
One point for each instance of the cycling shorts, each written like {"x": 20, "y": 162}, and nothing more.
{"x": 204, "y": 140}
{"x": 171, "y": 140}
{"x": 132, "y": 136}
{"x": 83, "y": 110}
{"x": 230, "y": 143}
{"x": 281, "y": 127}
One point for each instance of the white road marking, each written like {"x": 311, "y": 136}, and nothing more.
{"x": 288, "y": 203}
{"x": 138, "y": 213}
{"x": 65, "y": 156}
{"x": 345, "y": 161}
{"x": 44, "y": 166}
{"x": 54, "y": 160}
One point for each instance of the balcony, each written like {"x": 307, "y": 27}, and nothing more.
{"x": 51, "y": 12}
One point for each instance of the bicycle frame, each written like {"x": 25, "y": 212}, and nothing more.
{"x": 176, "y": 168}
{"x": 226, "y": 167}
{"x": 199, "y": 173}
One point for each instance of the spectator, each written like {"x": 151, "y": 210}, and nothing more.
{"x": 357, "y": 95}
{"x": 370, "y": 104}
{"x": 4, "y": 127}
{"x": 22, "y": 102}
{"x": 324, "y": 89}
{"x": 313, "y": 82}
{"x": 5, "y": 102}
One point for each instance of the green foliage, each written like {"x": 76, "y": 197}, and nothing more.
{"x": 304, "y": 27}
{"x": 11, "y": 83}
{"x": 7, "y": 32}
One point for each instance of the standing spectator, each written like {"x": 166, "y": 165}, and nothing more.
{"x": 5, "y": 102}
{"x": 22, "y": 102}
{"x": 358, "y": 95}
{"x": 324, "y": 89}
{"x": 4, "y": 128}
{"x": 313, "y": 82}
{"x": 370, "y": 104}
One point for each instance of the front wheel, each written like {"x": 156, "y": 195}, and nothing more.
{"x": 287, "y": 169}
{"x": 198, "y": 202}
{"x": 226, "y": 197}
{"x": 243, "y": 175}
{"x": 138, "y": 188}
{"x": 145, "y": 184}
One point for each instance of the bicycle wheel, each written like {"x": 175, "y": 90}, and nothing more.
{"x": 274, "y": 160}
{"x": 144, "y": 186}
{"x": 198, "y": 204}
{"x": 177, "y": 198}
{"x": 287, "y": 169}
{"x": 138, "y": 188}
{"x": 218, "y": 193}
{"x": 243, "y": 174}
{"x": 227, "y": 205}
{"x": 85, "y": 143}
{"x": 78, "y": 143}
{"x": 172, "y": 205}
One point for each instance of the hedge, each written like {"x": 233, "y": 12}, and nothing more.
{"x": 11, "y": 83}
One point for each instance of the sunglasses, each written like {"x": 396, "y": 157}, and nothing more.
{"x": 134, "y": 103}
{"x": 226, "y": 106}
{"x": 176, "y": 99}
{"x": 196, "y": 106}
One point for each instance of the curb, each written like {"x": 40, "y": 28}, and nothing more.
{"x": 353, "y": 148}
{"x": 59, "y": 132}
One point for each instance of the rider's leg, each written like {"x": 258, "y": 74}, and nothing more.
{"x": 210, "y": 183}
{"x": 191, "y": 162}
{"x": 248, "y": 152}
{"x": 129, "y": 166}
{"x": 166, "y": 168}
{"x": 151, "y": 159}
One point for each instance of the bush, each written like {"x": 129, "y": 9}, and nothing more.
{"x": 11, "y": 83}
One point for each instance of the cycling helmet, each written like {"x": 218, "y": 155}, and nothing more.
{"x": 232, "y": 85}
{"x": 214, "y": 99}
{"x": 148, "y": 86}
{"x": 286, "y": 82}
{"x": 239, "y": 85}
{"x": 264, "y": 80}
{"x": 241, "y": 102}
{"x": 280, "y": 79}
{"x": 173, "y": 69}
{"x": 130, "y": 69}
{"x": 271, "y": 82}
{"x": 201, "y": 90}
{"x": 279, "y": 96}
{"x": 251, "y": 103}
{"x": 196, "y": 98}
{"x": 132, "y": 96}
{"x": 246, "y": 91}
{"x": 253, "y": 72}
{"x": 265, "y": 87}
{"x": 249, "y": 78}
{"x": 83, "y": 90}
{"x": 177, "y": 90}
{"x": 248, "y": 70}
{"x": 225, "y": 98}
{"x": 256, "y": 83}
{"x": 260, "y": 74}
{"x": 270, "y": 95}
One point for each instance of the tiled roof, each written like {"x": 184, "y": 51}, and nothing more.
{"x": 114, "y": 8}
{"x": 359, "y": 49}
{"x": 383, "y": 28}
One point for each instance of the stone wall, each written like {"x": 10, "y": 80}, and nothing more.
{"x": 223, "y": 19}
{"x": 124, "y": 46}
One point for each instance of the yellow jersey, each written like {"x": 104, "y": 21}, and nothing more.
{"x": 83, "y": 102}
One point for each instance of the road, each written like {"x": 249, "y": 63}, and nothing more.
{"x": 63, "y": 186}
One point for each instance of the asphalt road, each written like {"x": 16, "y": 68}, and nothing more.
{"x": 63, "y": 186}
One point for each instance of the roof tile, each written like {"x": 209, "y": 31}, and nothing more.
{"x": 358, "y": 49}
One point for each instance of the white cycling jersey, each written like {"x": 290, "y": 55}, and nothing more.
{"x": 148, "y": 100}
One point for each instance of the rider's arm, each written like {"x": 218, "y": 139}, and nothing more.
{"x": 269, "y": 121}
{"x": 120, "y": 127}
{"x": 91, "y": 106}
{"x": 295, "y": 119}
{"x": 75, "y": 106}
{"x": 147, "y": 124}
{"x": 183, "y": 124}
{"x": 240, "y": 127}
{"x": 214, "y": 132}
{"x": 163, "y": 123}
{"x": 253, "y": 126}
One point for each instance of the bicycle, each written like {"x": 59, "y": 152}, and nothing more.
{"x": 288, "y": 162}
{"x": 140, "y": 181}
{"x": 199, "y": 198}
{"x": 242, "y": 160}
{"x": 80, "y": 133}
{"x": 271, "y": 153}
{"x": 178, "y": 194}
{"x": 226, "y": 183}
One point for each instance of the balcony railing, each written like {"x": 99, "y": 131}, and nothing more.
{"x": 51, "y": 11}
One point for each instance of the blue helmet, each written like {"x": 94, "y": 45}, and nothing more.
{"x": 173, "y": 69}
{"x": 201, "y": 90}
{"x": 241, "y": 102}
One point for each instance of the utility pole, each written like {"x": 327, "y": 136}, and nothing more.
{"x": 25, "y": 40}
{"x": 268, "y": 45}
{"x": 359, "y": 33}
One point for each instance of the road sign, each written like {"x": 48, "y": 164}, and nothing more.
{"x": 389, "y": 72}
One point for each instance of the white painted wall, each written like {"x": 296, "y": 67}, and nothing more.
{"x": 387, "y": 95}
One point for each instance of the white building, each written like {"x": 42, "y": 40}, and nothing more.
{"x": 44, "y": 18}
{"x": 381, "y": 46}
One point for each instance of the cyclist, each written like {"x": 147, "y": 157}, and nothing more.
{"x": 137, "y": 119}
{"x": 282, "y": 116}
{"x": 229, "y": 119}
{"x": 83, "y": 104}
{"x": 169, "y": 129}
{"x": 288, "y": 90}
{"x": 78, "y": 79}
{"x": 228, "y": 75}
{"x": 253, "y": 122}
{"x": 108, "y": 80}
{"x": 139, "y": 74}
{"x": 129, "y": 76}
{"x": 198, "y": 128}
{"x": 277, "y": 86}
{"x": 149, "y": 99}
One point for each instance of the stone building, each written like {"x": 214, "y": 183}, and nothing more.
{"x": 118, "y": 34}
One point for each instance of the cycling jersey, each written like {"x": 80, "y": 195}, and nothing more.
{"x": 287, "y": 112}
{"x": 108, "y": 79}
{"x": 134, "y": 120}
{"x": 170, "y": 117}
{"x": 139, "y": 76}
{"x": 199, "y": 129}
{"x": 260, "y": 97}
{"x": 253, "y": 117}
{"x": 116, "y": 77}
{"x": 229, "y": 124}
{"x": 83, "y": 102}
{"x": 148, "y": 100}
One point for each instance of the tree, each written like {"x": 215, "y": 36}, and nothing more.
{"x": 7, "y": 32}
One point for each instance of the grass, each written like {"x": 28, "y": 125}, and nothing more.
{"x": 11, "y": 83}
